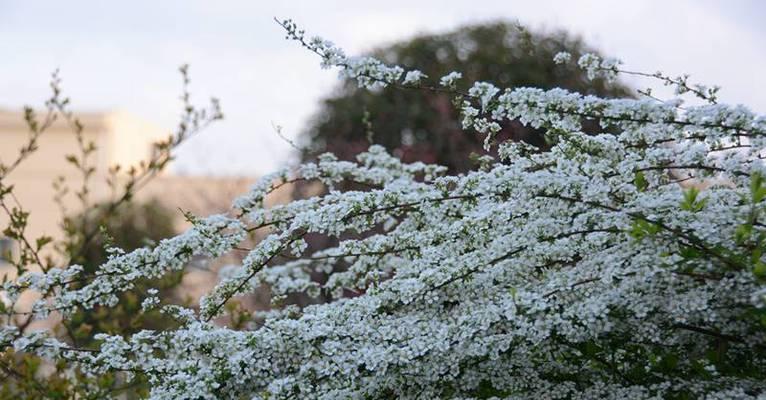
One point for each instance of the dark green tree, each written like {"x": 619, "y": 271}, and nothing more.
{"x": 419, "y": 125}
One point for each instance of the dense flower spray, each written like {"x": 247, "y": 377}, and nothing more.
{"x": 596, "y": 269}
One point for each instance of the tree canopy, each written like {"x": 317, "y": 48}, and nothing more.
{"x": 423, "y": 126}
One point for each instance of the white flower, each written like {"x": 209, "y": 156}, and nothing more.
{"x": 450, "y": 79}
{"x": 413, "y": 77}
{"x": 562, "y": 57}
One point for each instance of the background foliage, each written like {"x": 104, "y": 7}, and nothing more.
{"x": 424, "y": 126}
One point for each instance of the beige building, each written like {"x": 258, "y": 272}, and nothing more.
{"x": 121, "y": 139}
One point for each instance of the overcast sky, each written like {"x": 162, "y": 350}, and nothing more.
{"x": 124, "y": 55}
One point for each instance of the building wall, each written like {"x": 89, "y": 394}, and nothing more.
{"x": 118, "y": 138}
{"x": 121, "y": 139}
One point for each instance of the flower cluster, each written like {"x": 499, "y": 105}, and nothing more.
{"x": 594, "y": 269}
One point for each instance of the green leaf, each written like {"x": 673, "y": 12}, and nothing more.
{"x": 5, "y": 189}
{"x": 640, "y": 181}
{"x": 742, "y": 233}
{"x": 72, "y": 160}
{"x": 669, "y": 362}
{"x": 689, "y": 253}
{"x": 590, "y": 349}
{"x": 757, "y": 190}
{"x": 759, "y": 269}
{"x": 42, "y": 241}
{"x": 642, "y": 228}
{"x": 691, "y": 202}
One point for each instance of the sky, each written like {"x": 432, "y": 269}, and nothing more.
{"x": 125, "y": 56}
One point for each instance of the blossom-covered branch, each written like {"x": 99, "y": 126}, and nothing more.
{"x": 582, "y": 271}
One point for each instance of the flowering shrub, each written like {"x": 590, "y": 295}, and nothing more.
{"x": 596, "y": 269}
